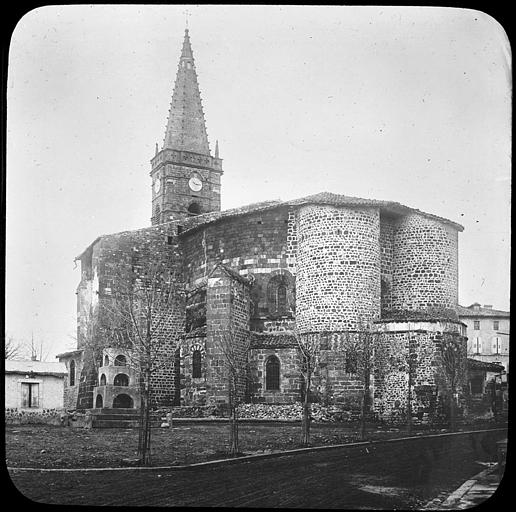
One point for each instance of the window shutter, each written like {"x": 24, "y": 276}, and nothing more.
{"x": 479, "y": 345}
{"x": 25, "y": 395}
{"x": 493, "y": 346}
{"x": 35, "y": 395}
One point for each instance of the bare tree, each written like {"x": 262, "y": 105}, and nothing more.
{"x": 38, "y": 350}
{"x": 453, "y": 358}
{"x": 361, "y": 350}
{"x": 309, "y": 345}
{"x": 144, "y": 318}
{"x": 235, "y": 360}
{"x": 12, "y": 348}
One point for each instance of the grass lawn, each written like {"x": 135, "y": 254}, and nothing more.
{"x": 42, "y": 446}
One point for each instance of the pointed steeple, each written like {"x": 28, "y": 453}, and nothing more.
{"x": 186, "y": 127}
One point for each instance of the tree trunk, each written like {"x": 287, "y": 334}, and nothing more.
{"x": 305, "y": 421}
{"x": 364, "y": 409}
{"x": 144, "y": 438}
{"x": 452, "y": 410}
{"x": 409, "y": 401}
{"x": 233, "y": 420}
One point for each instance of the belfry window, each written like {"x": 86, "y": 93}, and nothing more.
{"x": 272, "y": 374}
{"x": 194, "y": 209}
{"x": 196, "y": 364}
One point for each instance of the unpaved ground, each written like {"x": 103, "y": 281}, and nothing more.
{"x": 40, "y": 446}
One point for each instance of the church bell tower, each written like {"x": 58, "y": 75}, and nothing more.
{"x": 185, "y": 176}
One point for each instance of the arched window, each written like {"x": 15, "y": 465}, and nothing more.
{"x": 106, "y": 360}
{"x": 277, "y": 295}
{"x": 99, "y": 402}
{"x": 102, "y": 380}
{"x": 196, "y": 364}
{"x": 194, "y": 209}
{"x": 120, "y": 360}
{"x": 121, "y": 380}
{"x": 272, "y": 374}
{"x": 72, "y": 373}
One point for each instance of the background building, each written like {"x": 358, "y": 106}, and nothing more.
{"x": 488, "y": 332}
{"x": 34, "y": 391}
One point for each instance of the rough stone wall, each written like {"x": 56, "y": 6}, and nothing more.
{"x": 425, "y": 268}
{"x": 338, "y": 267}
{"x": 111, "y": 257}
{"x": 418, "y": 350}
{"x": 71, "y": 392}
{"x": 227, "y": 332}
{"x": 262, "y": 244}
{"x": 193, "y": 390}
{"x": 387, "y": 226}
{"x": 290, "y": 377}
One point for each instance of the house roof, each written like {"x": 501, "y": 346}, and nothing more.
{"x": 273, "y": 340}
{"x": 475, "y": 364}
{"x": 477, "y": 310}
{"x": 326, "y": 198}
{"x": 70, "y": 353}
{"x": 36, "y": 367}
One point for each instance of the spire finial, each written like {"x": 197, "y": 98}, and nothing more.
{"x": 187, "y": 13}
{"x": 216, "y": 149}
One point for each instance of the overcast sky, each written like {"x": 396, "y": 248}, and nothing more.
{"x": 404, "y": 104}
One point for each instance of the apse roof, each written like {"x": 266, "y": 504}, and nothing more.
{"x": 328, "y": 198}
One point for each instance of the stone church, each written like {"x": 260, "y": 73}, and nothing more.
{"x": 323, "y": 266}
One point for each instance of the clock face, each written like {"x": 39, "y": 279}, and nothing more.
{"x": 195, "y": 183}
{"x": 157, "y": 185}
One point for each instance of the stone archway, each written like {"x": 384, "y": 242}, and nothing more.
{"x": 99, "y": 402}
{"x": 123, "y": 401}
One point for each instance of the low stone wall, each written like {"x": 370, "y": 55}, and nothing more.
{"x": 41, "y": 416}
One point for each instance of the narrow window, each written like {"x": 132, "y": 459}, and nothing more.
{"x": 196, "y": 364}
{"x": 272, "y": 374}
{"x": 30, "y": 394}
{"x": 72, "y": 373}
{"x": 106, "y": 361}
{"x": 102, "y": 380}
{"x": 496, "y": 325}
{"x": 476, "y": 325}
{"x": 497, "y": 345}
{"x": 477, "y": 345}
{"x": 281, "y": 298}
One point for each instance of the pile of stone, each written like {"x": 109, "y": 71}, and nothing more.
{"x": 287, "y": 412}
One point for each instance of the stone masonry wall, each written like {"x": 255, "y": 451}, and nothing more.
{"x": 338, "y": 267}
{"x": 290, "y": 377}
{"x": 387, "y": 226}
{"x": 111, "y": 258}
{"x": 416, "y": 350}
{"x": 262, "y": 244}
{"x": 227, "y": 333}
{"x": 425, "y": 267}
